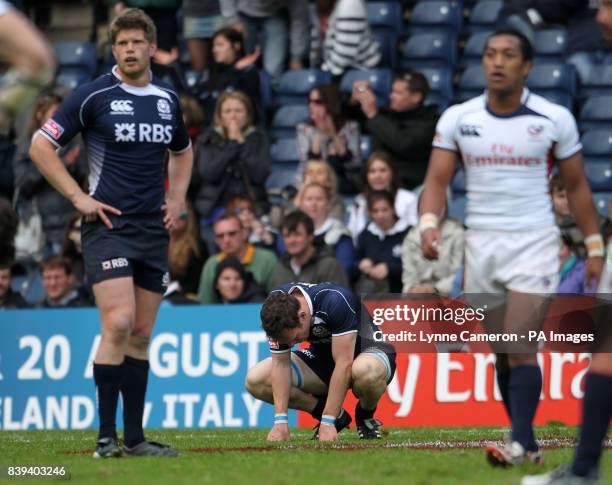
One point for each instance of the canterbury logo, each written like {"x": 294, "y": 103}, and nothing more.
{"x": 121, "y": 106}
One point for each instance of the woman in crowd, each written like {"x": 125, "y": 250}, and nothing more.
{"x": 329, "y": 137}
{"x": 322, "y": 173}
{"x": 379, "y": 247}
{"x": 316, "y": 204}
{"x": 230, "y": 70}
{"x": 234, "y": 284}
{"x": 379, "y": 175}
{"x": 232, "y": 159}
{"x": 261, "y": 234}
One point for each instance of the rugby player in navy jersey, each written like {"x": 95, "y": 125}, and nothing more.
{"x": 342, "y": 354}
{"x": 507, "y": 140}
{"x": 129, "y": 121}
{"x": 597, "y": 403}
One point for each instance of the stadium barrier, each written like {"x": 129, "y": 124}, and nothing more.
{"x": 199, "y": 357}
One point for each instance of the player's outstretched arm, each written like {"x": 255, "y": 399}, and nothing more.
{"x": 43, "y": 154}
{"x": 343, "y": 350}
{"x": 281, "y": 389}
{"x": 581, "y": 205}
{"x": 433, "y": 199}
{"x": 179, "y": 174}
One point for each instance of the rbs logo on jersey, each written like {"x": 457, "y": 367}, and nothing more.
{"x": 146, "y": 132}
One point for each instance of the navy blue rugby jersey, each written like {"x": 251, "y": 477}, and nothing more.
{"x": 335, "y": 311}
{"x": 126, "y": 130}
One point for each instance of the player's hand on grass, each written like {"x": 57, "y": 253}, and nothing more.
{"x": 327, "y": 433}
{"x": 174, "y": 210}
{"x": 279, "y": 432}
{"x": 431, "y": 239}
{"x": 592, "y": 274}
{"x": 92, "y": 209}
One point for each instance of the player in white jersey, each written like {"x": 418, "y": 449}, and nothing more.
{"x": 31, "y": 60}
{"x": 597, "y": 403}
{"x": 507, "y": 140}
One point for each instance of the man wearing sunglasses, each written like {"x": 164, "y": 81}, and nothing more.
{"x": 232, "y": 239}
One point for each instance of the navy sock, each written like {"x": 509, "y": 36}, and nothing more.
{"x": 363, "y": 414}
{"x": 596, "y": 414}
{"x": 133, "y": 390}
{"x": 107, "y": 378}
{"x": 503, "y": 378}
{"x": 524, "y": 387}
{"x": 317, "y": 412}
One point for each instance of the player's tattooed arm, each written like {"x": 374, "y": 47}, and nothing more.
{"x": 281, "y": 388}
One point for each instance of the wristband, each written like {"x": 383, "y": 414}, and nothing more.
{"x": 594, "y": 245}
{"x": 281, "y": 418}
{"x": 328, "y": 420}
{"x": 428, "y": 221}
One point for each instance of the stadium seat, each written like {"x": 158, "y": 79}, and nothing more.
{"x": 603, "y": 200}
{"x": 284, "y": 150}
{"x": 385, "y": 15}
{"x": 472, "y": 52}
{"x": 596, "y": 114}
{"x": 366, "y": 146}
{"x": 379, "y": 79}
{"x": 435, "y": 99}
{"x": 471, "y": 83}
{"x": 553, "y": 77}
{"x": 294, "y": 86}
{"x": 550, "y": 44}
{"x": 597, "y": 145}
{"x": 456, "y": 209}
{"x": 72, "y": 77}
{"x": 483, "y": 16}
{"x": 72, "y": 54}
{"x": 458, "y": 183}
{"x": 435, "y": 16}
{"x": 281, "y": 175}
{"x": 440, "y": 80}
{"x": 192, "y": 77}
{"x": 599, "y": 175}
{"x": 387, "y": 40}
{"x": 430, "y": 50}
{"x": 558, "y": 97}
{"x": 598, "y": 82}
{"x": 286, "y": 118}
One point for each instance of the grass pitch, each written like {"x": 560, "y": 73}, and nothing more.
{"x": 406, "y": 456}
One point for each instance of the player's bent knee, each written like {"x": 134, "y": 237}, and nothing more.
{"x": 257, "y": 381}
{"x": 367, "y": 373}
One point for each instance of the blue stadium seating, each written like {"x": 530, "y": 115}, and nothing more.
{"x": 284, "y": 150}
{"x": 72, "y": 77}
{"x": 192, "y": 77}
{"x": 440, "y": 80}
{"x": 598, "y": 81}
{"x": 597, "y": 145}
{"x": 379, "y": 79}
{"x": 385, "y": 15}
{"x": 286, "y": 118}
{"x": 596, "y": 114}
{"x": 281, "y": 175}
{"x": 599, "y": 175}
{"x": 483, "y": 16}
{"x": 72, "y": 54}
{"x": 366, "y": 146}
{"x": 430, "y": 50}
{"x": 602, "y": 202}
{"x": 471, "y": 83}
{"x": 458, "y": 183}
{"x": 472, "y": 52}
{"x": 387, "y": 40}
{"x": 435, "y": 16}
{"x": 558, "y": 97}
{"x": 456, "y": 209}
{"x": 438, "y": 100}
{"x": 294, "y": 86}
{"x": 550, "y": 44}
{"x": 556, "y": 82}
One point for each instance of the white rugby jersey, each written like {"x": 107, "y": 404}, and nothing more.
{"x": 508, "y": 158}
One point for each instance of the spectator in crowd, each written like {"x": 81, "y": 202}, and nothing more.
{"x": 405, "y": 128}
{"x": 193, "y": 116}
{"x": 572, "y": 271}
{"x": 566, "y": 220}
{"x": 261, "y": 234}
{"x": 36, "y": 196}
{"x": 72, "y": 249}
{"x": 379, "y": 174}
{"x": 201, "y": 18}
{"x": 304, "y": 260}
{"x": 422, "y": 275}
{"x": 322, "y": 173}
{"x": 327, "y": 230}
{"x": 57, "y": 280}
{"x": 329, "y": 137}
{"x": 232, "y": 159}
{"x": 379, "y": 247}
{"x": 229, "y": 71}
{"x": 232, "y": 238}
{"x": 186, "y": 257}
{"x": 272, "y": 19}
{"x": 9, "y": 299}
{"x": 341, "y": 38}
{"x": 233, "y": 284}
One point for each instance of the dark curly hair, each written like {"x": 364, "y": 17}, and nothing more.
{"x": 279, "y": 312}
